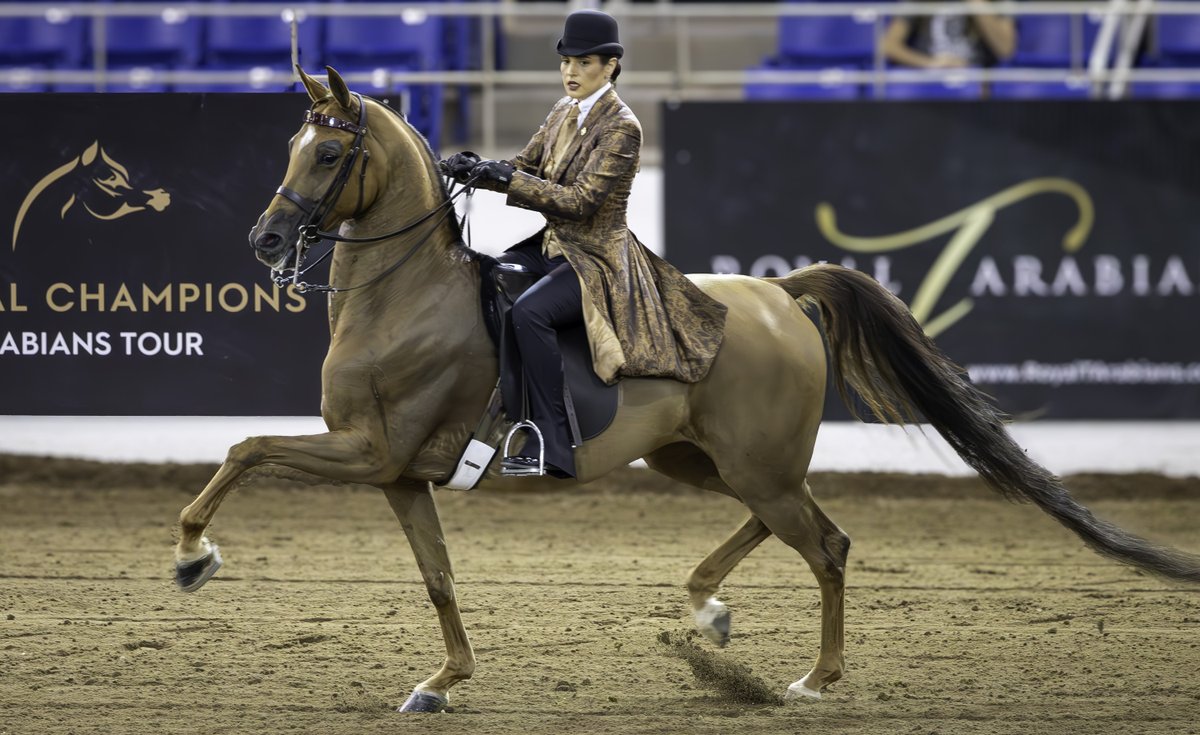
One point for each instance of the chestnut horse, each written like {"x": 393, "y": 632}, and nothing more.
{"x": 410, "y": 369}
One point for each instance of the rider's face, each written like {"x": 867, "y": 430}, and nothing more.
{"x": 583, "y": 75}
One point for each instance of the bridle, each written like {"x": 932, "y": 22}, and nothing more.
{"x": 316, "y": 211}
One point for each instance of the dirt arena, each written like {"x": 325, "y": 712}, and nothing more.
{"x": 964, "y": 614}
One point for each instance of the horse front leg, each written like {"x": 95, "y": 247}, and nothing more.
{"x": 412, "y": 502}
{"x": 347, "y": 455}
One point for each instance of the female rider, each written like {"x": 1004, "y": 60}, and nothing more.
{"x": 643, "y": 317}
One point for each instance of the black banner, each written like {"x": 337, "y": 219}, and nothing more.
{"x": 1052, "y": 248}
{"x": 127, "y": 285}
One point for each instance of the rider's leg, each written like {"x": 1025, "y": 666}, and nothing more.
{"x": 554, "y": 302}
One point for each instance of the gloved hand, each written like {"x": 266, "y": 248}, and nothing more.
{"x": 459, "y": 165}
{"x": 493, "y": 175}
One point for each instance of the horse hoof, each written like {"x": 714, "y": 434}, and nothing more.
{"x": 799, "y": 692}
{"x": 191, "y": 575}
{"x": 422, "y": 701}
{"x": 714, "y": 621}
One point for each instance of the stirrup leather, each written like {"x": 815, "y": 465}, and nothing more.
{"x": 538, "y": 471}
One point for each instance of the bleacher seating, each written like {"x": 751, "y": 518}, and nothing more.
{"x": 244, "y": 42}
{"x": 1054, "y": 41}
{"x": 1179, "y": 39}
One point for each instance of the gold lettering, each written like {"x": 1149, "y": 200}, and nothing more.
{"x": 85, "y": 296}
{"x": 969, "y": 224}
{"x": 261, "y": 296}
{"x": 297, "y": 299}
{"x": 55, "y": 305}
{"x": 14, "y": 305}
{"x": 243, "y": 297}
{"x": 157, "y": 299}
{"x": 123, "y": 300}
{"x": 188, "y": 293}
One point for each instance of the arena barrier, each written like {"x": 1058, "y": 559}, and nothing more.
{"x": 127, "y": 285}
{"x": 1049, "y": 247}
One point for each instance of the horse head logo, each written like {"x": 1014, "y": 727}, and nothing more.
{"x": 101, "y": 188}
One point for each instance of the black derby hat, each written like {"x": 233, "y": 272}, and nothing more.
{"x": 590, "y": 32}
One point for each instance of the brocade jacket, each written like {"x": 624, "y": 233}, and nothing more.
{"x": 643, "y": 317}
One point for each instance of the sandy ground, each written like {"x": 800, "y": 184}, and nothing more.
{"x": 964, "y": 613}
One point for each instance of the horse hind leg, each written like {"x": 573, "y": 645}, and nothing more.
{"x": 801, "y": 524}
{"x": 712, "y": 615}
{"x": 688, "y": 464}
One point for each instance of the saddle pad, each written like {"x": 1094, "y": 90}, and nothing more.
{"x": 595, "y": 403}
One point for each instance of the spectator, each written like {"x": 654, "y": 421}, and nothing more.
{"x": 950, "y": 41}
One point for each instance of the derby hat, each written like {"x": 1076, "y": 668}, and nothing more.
{"x": 590, "y": 32}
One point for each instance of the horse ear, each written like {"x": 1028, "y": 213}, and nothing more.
{"x": 89, "y": 155}
{"x": 316, "y": 92}
{"x": 337, "y": 85}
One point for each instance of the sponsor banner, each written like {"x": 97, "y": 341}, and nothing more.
{"x": 127, "y": 284}
{"x": 1051, "y": 248}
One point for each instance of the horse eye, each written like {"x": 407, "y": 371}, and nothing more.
{"x": 329, "y": 158}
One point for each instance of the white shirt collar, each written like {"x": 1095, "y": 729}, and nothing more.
{"x": 586, "y": 105}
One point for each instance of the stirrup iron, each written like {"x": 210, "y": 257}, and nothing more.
{"x": 538, "y": 471}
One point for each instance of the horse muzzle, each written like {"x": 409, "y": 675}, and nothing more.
{"x": 273, "y": 245}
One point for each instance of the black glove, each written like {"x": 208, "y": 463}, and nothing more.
{"x": 493, "y": 175}
{"x": 459, "y": 165}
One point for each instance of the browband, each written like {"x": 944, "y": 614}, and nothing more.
{"x": 337, "y": 123}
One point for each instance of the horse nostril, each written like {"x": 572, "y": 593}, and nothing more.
{"x": 267, "y": 241}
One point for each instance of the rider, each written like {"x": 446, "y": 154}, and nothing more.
{"x": 643, "y": 317}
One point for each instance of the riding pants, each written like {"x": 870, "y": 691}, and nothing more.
{"x": 554, "y": 302}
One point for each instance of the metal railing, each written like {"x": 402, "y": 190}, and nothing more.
{"x": 1124, "y": 17}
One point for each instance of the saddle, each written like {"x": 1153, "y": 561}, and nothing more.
{"x": 591, "y": 404}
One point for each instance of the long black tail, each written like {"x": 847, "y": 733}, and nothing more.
{"x": 880, "y": 351}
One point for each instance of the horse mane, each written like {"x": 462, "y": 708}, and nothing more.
{"x": 431, "y": 160}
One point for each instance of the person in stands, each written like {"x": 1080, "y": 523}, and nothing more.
{"x": 950, "y": 41}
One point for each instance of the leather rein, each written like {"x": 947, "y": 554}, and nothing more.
{"x": 316, "y": 211}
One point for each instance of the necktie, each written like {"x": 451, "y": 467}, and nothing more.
{"x": 566, "y": 134}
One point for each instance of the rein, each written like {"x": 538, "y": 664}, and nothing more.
{"x": 316, "y": 211}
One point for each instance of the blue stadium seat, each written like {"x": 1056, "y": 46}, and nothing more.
{"x": 414, "y": 41}
{"x": 1041, "y": 90}
{"x": 933, "y": 91}
{"x": 245, "y": 42}
{"x": 1178, "y": 36}
{"x": 829, "y": 39}
{"x": 1046, "y": 40}
{"x": 172, "y": 40}
{"x": 34, "y": 41}
{"x": 831, "y": 87}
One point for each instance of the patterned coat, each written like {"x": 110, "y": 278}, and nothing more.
{"x": 644, "y": 318}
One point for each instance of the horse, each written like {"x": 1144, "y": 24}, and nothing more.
{"x": 96, "y": 182}
{"x": 410, "y": 368}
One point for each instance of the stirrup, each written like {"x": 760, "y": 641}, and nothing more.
{"x": 538, "y": 471}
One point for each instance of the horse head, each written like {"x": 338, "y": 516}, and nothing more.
{"x": 343, "y": 162}
{"x": 99, "y": 184}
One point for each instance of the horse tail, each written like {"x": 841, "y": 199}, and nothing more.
{"x": 878, "y": 349}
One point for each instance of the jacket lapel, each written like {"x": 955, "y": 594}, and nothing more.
{"x": 549, "y": 141}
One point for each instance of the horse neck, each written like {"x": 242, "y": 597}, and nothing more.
{"x": 436, "y": 270}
